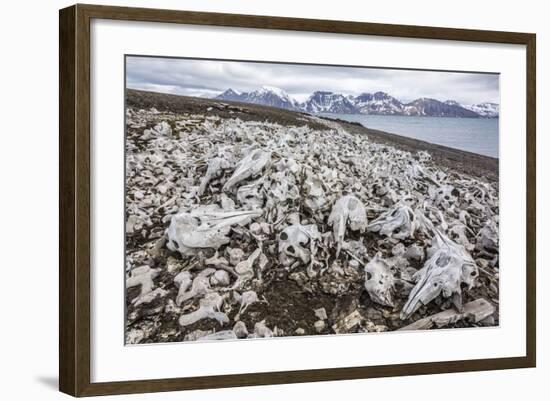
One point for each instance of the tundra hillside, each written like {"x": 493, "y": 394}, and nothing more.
{"x": 247, "y": 221}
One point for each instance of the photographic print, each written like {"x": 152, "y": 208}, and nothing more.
{"x": 276, "y": 199}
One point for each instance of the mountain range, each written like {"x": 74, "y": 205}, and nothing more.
{"x": 378, "y": 103}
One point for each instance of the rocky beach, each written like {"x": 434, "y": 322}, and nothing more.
{"x": 248, "y": 221}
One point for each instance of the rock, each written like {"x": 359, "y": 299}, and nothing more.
{"x": 321, "y": 313}
{"x": 348, "y": 323}
{"x": 299, "y": 277}
{"x": 375, "y": 328}
{"x": 320, "y": 326}
{"x": 333, "y": 286}
{"x": 374, "y": 314}
{"x": 240, "y": 330}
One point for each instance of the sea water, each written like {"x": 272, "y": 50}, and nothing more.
{"x": 477, "y": 135}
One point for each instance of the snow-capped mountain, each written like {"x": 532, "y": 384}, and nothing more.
{"x": 381, "y": 103}
{"x": 378, "y": 103}
{"x": 435, "y": 108}
{"x": 266, "y": 95}
{"x": 230, "y": 94}
{"x": 328, "y": 102}
{"x": 486, "y": 109}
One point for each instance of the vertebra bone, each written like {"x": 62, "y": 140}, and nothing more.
{"x": 209, "y": 307}
{"x": 200, "y": 286}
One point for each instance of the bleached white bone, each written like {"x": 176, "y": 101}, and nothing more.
{"x": 261, "y": 330}
{"x": 487, "y": 239}
{"x": 379, "y": 281}
{"x": 142, "y": 276}
{"x": 247, "y": 299}
{"x": 251, "y": 195}
{"x": 398, "y": 222}
{"x": 296, "y": 243}
{"x": 149, "y": 297}
{"x": 220, "y": 278}
{"x": 215, "y": 168}
{"x": 443, "y": 273}
{"x": 235, "y": 255}
{"x": 314, "y": 193}
{"x": 245, "y": 270}
{"x": 200, "y": 286}
{"x": 347, "y": 211}
{"x": 458, "y": 234}
{"x": 283, "y": 187}
{"x": 204, "y": 227}
{"x": 475, "y": 311}
{"x": 218, "y": 336}
{"x": 216, "y": 260}
{"x": 161, "y": 129}
{"x": 183, "y": 281}
{"x": 209, "y": 308}
{"x": 250, "y": 166}
{"x": 444, "y": 195}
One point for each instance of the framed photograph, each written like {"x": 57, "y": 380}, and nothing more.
{"x": 250, "y": 200}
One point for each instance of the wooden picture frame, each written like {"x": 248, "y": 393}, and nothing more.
{"x": 74, "y": 199}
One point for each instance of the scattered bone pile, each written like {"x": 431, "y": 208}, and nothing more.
{"x": 254, "y": 229}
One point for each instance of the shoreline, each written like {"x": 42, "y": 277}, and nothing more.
{"x": 481, "y": 166}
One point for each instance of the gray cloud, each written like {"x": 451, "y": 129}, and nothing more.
{"x": 207, "y": 78}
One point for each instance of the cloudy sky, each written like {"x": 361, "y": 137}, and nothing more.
{"x": 208, "y": 78}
